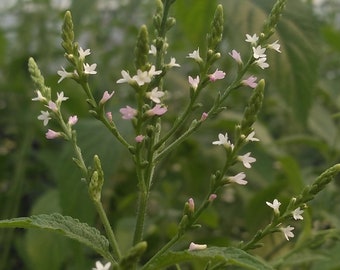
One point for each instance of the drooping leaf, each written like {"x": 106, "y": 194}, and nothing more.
{"x": 226, "y": 255}
{"x": 65, "y": 225}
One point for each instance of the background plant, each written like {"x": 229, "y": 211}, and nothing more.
{"x": 304, "y": 153}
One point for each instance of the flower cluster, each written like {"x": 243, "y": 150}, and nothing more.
{"x": 296, "y": 214}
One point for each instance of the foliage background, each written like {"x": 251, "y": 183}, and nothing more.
{"x": 298, "y": 128}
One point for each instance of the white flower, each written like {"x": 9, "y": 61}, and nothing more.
{"x": 251, "y": 137}
{"x": 152, "y": 72}
{"x": 287, "y": 231}
{"x": 82, "y": 53}
{"x": 45, "y": 117}
{"x": 39, "y": 97}
{"x": 261, "y": 62}
{"x": 297, "y": 213}
{"x": 155, "y": 95}
{"x": 194, "y": 82}
{"x": 223, "y": 140}
{"x": 194, "y": 246}
{"x": 246, "y": 160}
{"x": 153, "y": 50}
{"x": 275, "y": 205}
{"x": 195, "y": 55}
{"x": 90, "y": 69}
{"x": 64, "y": 74}
{"x": 275, "y": 46}
{"x": 259, "y": 52}
{"x": 61, "y": 98}
{"x": 252, "y": 39}
{"x": 142, "y": 77}
{"x": 52, "y": 106}
{"x": 126, "y": 77}
{"x": 236, "y": 56}
{"x": 238, "y": 178}
{"x": 99, "y": 266}
{"x": 173, "y": 63}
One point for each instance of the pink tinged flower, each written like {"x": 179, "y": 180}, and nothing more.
{"x": 157, "y": 110}
{"x": 212, "y": 197}
{"x": 250, "y": 81}
{"x": 153, "y": 50}
{"x": 106, "y": 97}
{"x": 142, "y": 77}
{"x": 72, "y": 120}
{"x": 238, "y": 178}
{"x": 64, "y": 74}
{"x": 287, "y": 231}
{"x": 139, "y": 138}
{"x": 275, "y": 205}
{"x": 52, "y": 106}
{"x": 155, "y": 95}
{"x": 217, "y": 75}
{"x": 275, "y": 46}
{"x": 251, "y": 137}
{"x": 126, "y": 77}
{"x": 252, "y": 39}
{"x": 191, "y": 204}
{"x": 261, "y": 62}
{"x": 90, "y": 69}
{"x": 61, "y": 97}
{"x": 153, "y": 72}
{"x": 173, "y": 63}
{"x": 100, "y": 266}
{"x": 128, "y": 112}
{"x": 109, "y": 116}
{"x": 45, "y": 117}
{"x": 51, "y": 134}
{"x": 194, "y": 246}
{"x": 82, "y": 53}
{"x": 223, "y": 140}
{"x": 194, "y": 82}
{"x": 39, "y": 97}
{"x": 204, "y": 116}
{"x": 236, "y": 56}
{"x": 247, "y": 160}
{"x": 297, "y": 214}
{"x": 259, "y": 52}
{"x": 195, "y": 55}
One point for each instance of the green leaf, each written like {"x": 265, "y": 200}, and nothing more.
{"x": 65, "y": 225}
{"x": 226, "y": 255}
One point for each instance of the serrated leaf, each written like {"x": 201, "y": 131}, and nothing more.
{"x": 226, "y": 255}
{"x": 65, "y": 225}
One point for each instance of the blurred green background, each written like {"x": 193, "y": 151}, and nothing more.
{"x": 298, "y": 128}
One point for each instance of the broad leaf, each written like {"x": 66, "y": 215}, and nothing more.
{"x": 65, "y": 225}
{"x": 215, "y": 255}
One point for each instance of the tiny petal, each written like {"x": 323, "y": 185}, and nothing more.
{"x": 275, "y": 205}
{"x": 106, "y": 97}
{"x": 45, "y": 117}
{"x": 297, "y": 214}
{"x": 287, "y": 231}
{"x": 238, "y": 178}
{"x": 64, "y": 74}
{"x": 100, "y": 266}
{"x": 139, "y": 138}
{"x": 194, "y": 82}
{"x": 82, "y": 53}
{"x": 39, "y": 97}
{"x": 72, "y": 120}
{"x": 194, "y": 246}
{"x": 61, "y": 98}
{"x": 275, "y": 46}
{"x": 252, "y": 39}
{"x": 195, "y": 55}
{"x": 251, "y": 137}
{"x": 223, "y": 140}
{"x": 204, "y": 116}
{"x": 90, "y": 69}
{"x": 246, "y": 160}
{"x": 155, "y": 95}
{"x": 212, "y": 197}
{"x": 153, "y": 72}
{"x": 191, "y": 203}
{"x": 173, "y": 63}
{"x": 250, "y": 81}
{"x": 153, "y": 50}
{"x": 259, "y": 52}
{"x": 52, "y": 106}
{"x": 261, "y": 62}
{"x": 142, "y": 77}
{"x": 217, "y": 75}
{"x": 126, "y": 77}
{"x": 51, "y": 134}
{"x": 236, "y": 56}
{"x": 157, "y": 110}
{"x": 128, "y": 112}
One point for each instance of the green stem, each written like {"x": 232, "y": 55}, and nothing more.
{"x": 108, "y": 229}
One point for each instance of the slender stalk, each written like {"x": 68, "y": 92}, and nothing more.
{"x": 108, "y": 229}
